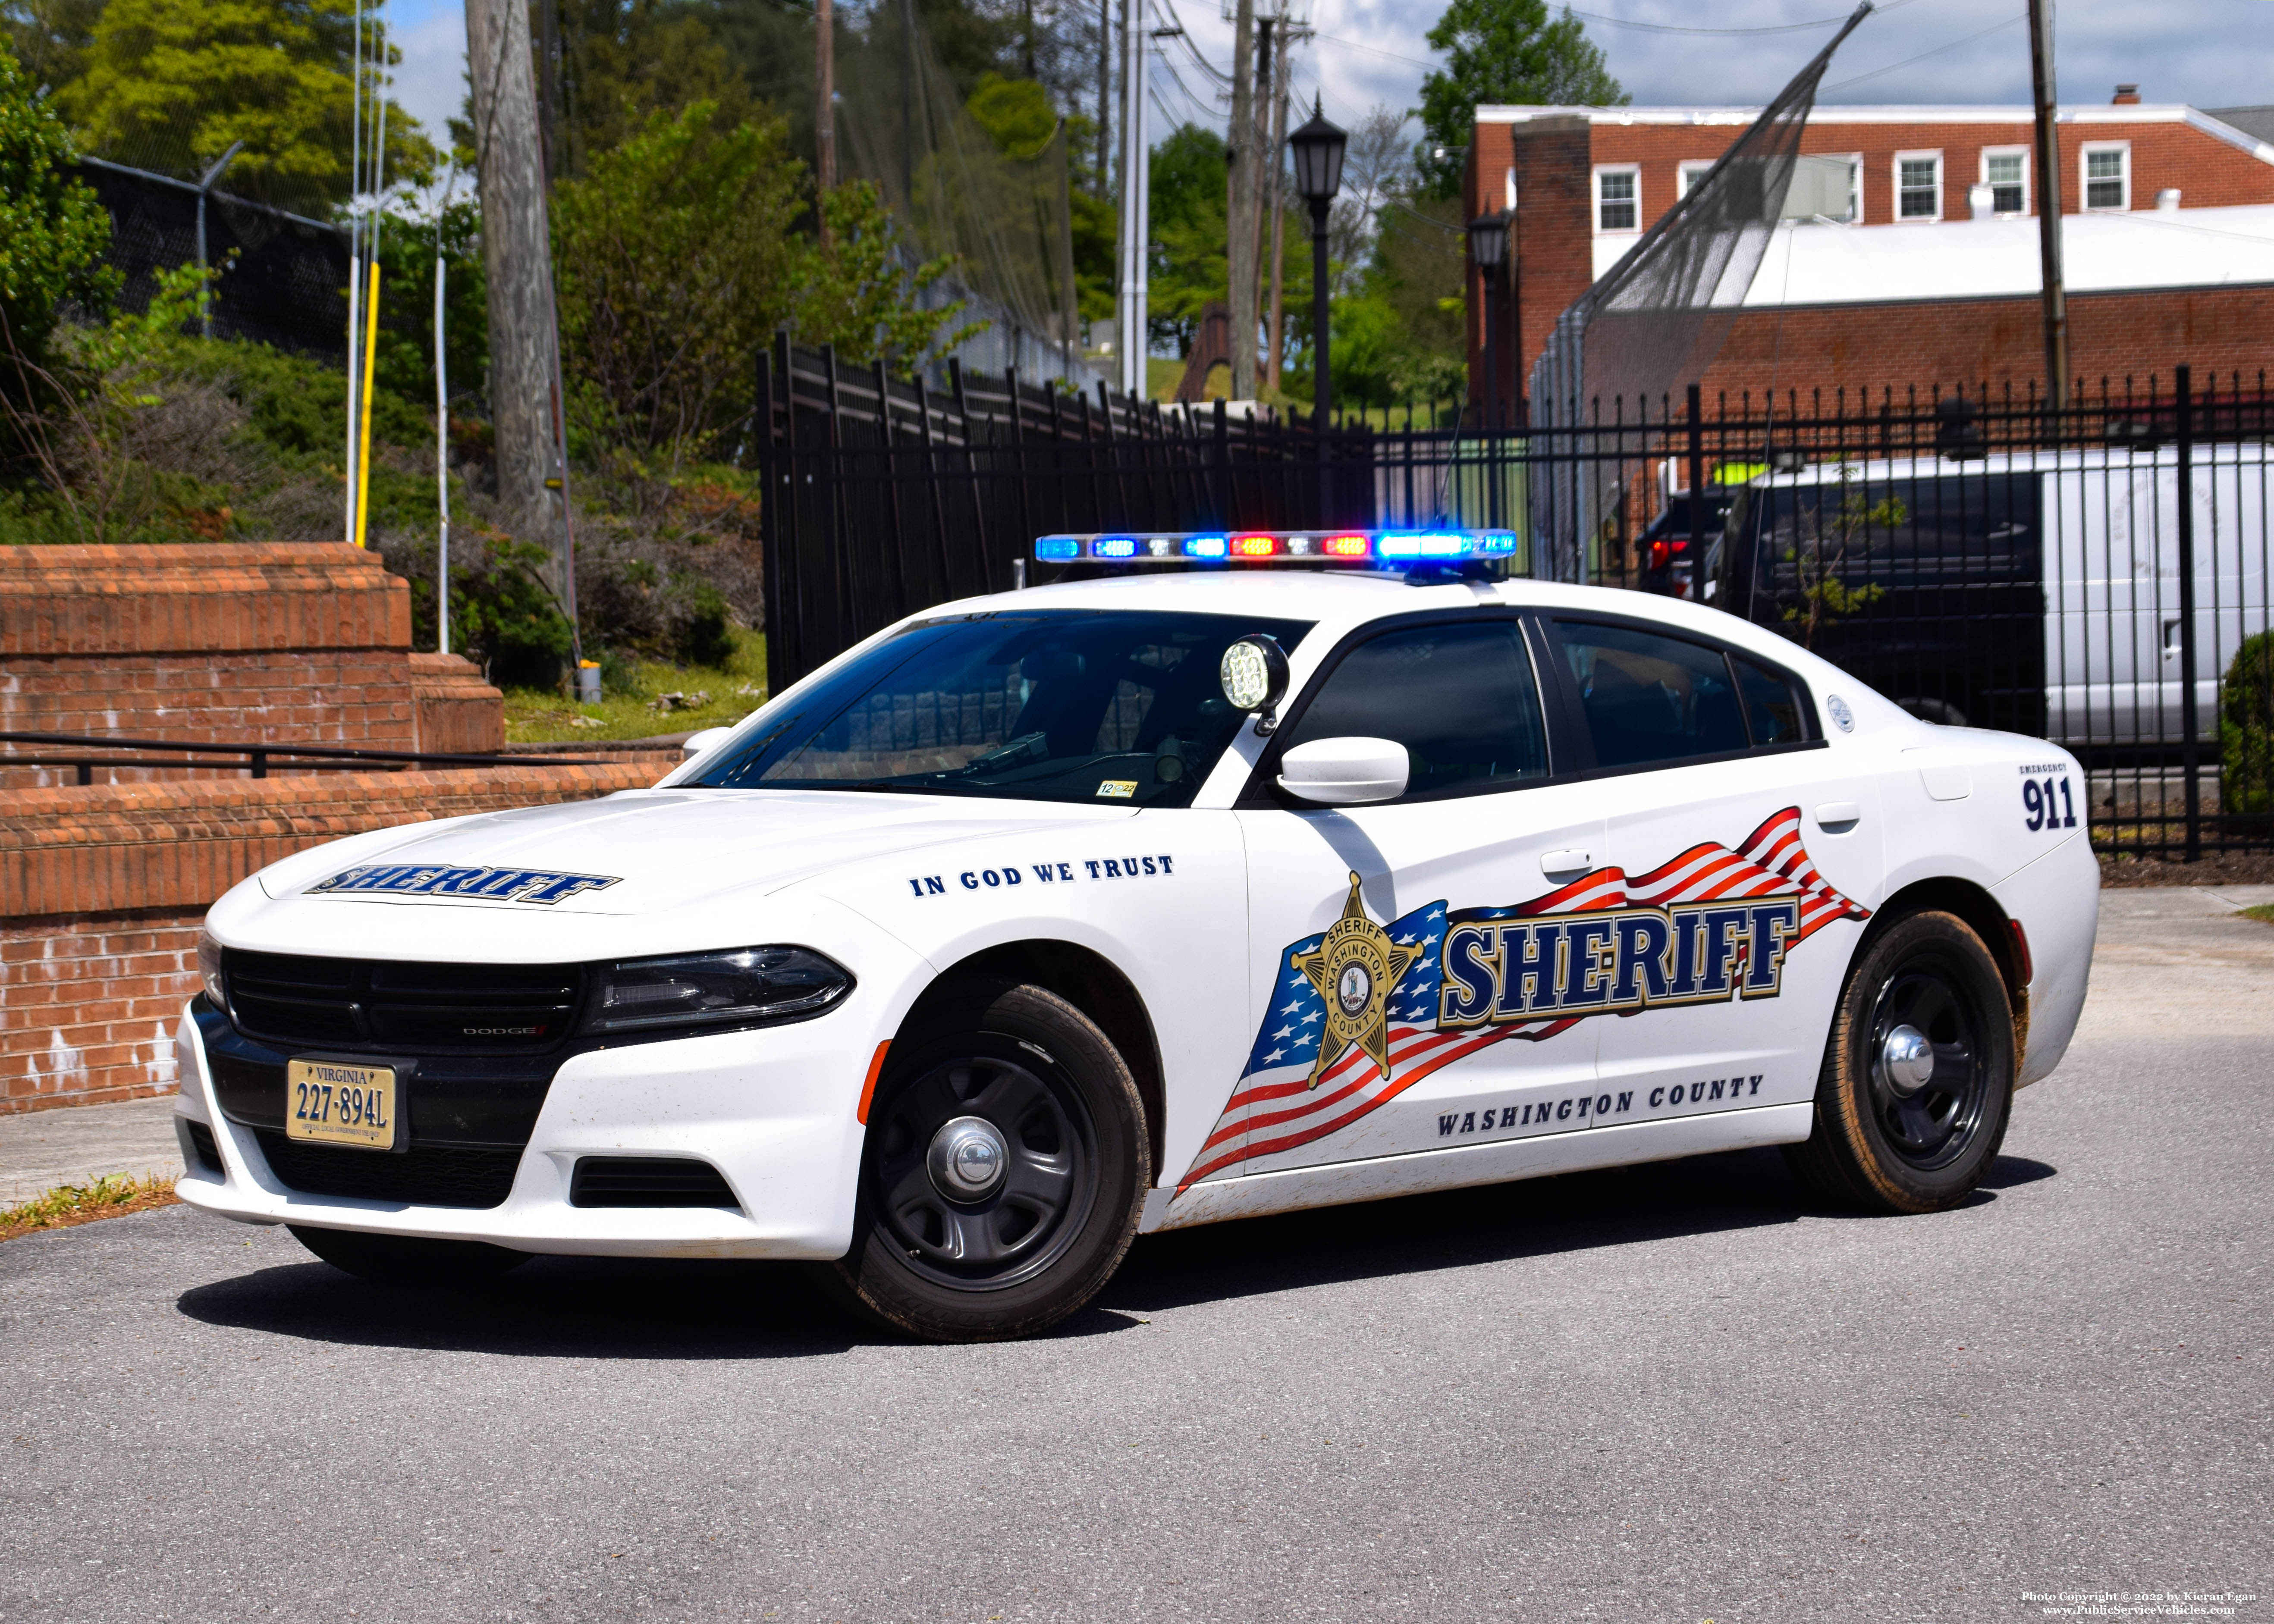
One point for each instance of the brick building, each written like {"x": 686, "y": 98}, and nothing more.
{"x": 1909, "y": 256}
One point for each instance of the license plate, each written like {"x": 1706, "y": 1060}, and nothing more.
{"x": 340, "y": 1104}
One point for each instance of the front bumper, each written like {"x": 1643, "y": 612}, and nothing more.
{"x": 772, "y": 1109}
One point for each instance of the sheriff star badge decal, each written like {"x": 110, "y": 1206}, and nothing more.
{"x": 1355, "y": 967}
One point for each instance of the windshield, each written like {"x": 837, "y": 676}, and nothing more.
{"x": 1055, "y": 705}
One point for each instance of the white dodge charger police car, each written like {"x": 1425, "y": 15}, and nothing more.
{"x": 1151, "y": 900}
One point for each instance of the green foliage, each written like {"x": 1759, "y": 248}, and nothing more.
{"x": 407, "y": 251}
{"x": 1189, "y": 268}
{"x": 503, "y": 615}
{"x": 623, "y": 61}
{"x": 52, "y": 230}
{"x": 1507, "y": 52}
{"x": 859, "y": 293}
{"x": 50, "y": 38}
{"x": 2246, "y": 729}
{"x": 1015, "y": 113}
{"x": 169, "y": 84}
{"x": 675, "y": 261}
{"x": 1819, "y": 552}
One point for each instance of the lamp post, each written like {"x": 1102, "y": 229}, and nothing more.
{"x": 1316, "y": 150}
{"x": 1488, "y": 252}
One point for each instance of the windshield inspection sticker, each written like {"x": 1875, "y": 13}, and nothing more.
{"x": 545, "y": 885}
{"x": 1117, "y": 789}
{"x": 1363, "y": 1011}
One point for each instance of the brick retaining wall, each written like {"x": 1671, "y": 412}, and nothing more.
{"x": 102, "y": 889}
{"x": 302, "y": 643}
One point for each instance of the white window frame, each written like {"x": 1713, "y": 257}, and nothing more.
{"x": 2022, "y": 153}
{"x": 2123, "y": 149}
{"x": 1634, "y": 172}
{"x": 1682, "y": 174}
{"x": 1896, "y": 176}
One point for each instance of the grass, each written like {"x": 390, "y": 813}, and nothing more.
{"x": 632, "y": 699}
{"x": 114, "y": 1195}
{"x": 2263, "y": 911}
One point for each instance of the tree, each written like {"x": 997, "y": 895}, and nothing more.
{"x": 622, "y": 61}
{"x": 50, "y": 38}
{"x": 1188, "y": 271}
{"x": 1507, "y": 52}
{"x": 170, "y": 83}
{"x": 53, "y": 232}
{"x": 856, "y": 293}
{"x": 674, "y": 258}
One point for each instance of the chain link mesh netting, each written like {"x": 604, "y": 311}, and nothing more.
{"x": 1654, "y": 323}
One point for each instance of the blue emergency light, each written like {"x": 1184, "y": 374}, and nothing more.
{"x": 1350, "y": 547}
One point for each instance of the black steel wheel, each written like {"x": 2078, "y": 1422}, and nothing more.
{"x": 408, "y": 1260}
{"x": 1004, "y": 1172}
{"x": 1917, "y": 1082}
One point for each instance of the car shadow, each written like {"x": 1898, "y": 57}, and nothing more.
{"x": 632, "y": 1308}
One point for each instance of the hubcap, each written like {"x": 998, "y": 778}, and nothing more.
{"x": 1910, "y": 1060}
{"x": 982, "y": 1166}
{"x": 967, "y": 1159}
{"x": 1929, "y": 1076}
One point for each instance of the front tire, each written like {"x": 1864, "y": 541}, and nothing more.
{"x": 408, "y": 1260}
{"x": 1004, "y": 1172}
{"x": 1917, "y": 1084}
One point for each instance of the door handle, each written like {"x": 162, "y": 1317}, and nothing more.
{"x": 1837, "y": 817}
{"x": 1569, "y": 861}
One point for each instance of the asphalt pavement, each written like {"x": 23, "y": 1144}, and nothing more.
{"x": 1670, "y": 1393}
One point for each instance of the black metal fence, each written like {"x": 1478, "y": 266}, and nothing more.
{"x": 1979, "y": 559}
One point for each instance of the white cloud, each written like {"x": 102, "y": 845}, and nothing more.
{"x": 430, "y": 82}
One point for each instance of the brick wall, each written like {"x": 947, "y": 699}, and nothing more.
{"x": 101, "y": 890}
{"x": 1554, "y": 156}
{"x": 285, "y": 642}
{"x": 1967, "y": 342}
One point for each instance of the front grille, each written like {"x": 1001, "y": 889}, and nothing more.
{"x": 427, "y": 1176}
{"x": 413, "y": 1008}
{"x": 648, "y": 1180}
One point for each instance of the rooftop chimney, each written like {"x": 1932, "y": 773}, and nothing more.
{"x": 2126, "y": 96}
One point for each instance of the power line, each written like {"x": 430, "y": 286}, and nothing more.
{"x": 1951, "y": 45}
{"x": 1819, "y": 22}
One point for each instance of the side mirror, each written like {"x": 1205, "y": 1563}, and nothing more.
{"x": 695, "y": 743}
{"x": 1346, "y": 773}
{"x": 1253, "y": 672}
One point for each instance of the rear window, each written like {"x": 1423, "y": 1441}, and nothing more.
{"x": 1965, "y": 526}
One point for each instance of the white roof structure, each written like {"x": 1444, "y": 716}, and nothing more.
{"x": 1825, "y": 262}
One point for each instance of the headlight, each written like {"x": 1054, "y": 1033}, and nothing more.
{"x": 209, "y": 970}
{"x": 737, "y": 987}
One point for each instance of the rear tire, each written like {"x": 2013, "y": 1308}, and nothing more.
{"x": 407, "y": 1259}
{"x": 1917, "y": 1084}
{"x": 1005, "y": 1168}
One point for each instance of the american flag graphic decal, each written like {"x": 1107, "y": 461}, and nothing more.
{"x": 1713, "y": 924}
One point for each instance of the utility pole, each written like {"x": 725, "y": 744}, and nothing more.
{"x": 1104, "y": 97}
{"x": 1276, "y": 201}
{"x": 2049, "y": 205}
{"x": 824, "y": 108}
{"x": 1130, "y": 337}
{"x": 517, "y": 256}
{"x": 1239, "y": 204}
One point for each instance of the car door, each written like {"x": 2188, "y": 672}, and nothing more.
{"x": 1364, "y": 1046}
{"x": 1747, "y": 852}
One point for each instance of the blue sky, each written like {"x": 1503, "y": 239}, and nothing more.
{"x": 2209, "y": 52}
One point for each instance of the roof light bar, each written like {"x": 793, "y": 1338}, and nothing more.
{"x": 1358, "y": 547}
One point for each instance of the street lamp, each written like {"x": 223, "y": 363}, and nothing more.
{"x": 1317, "y": 151}
{"x": 1488, "y": 252}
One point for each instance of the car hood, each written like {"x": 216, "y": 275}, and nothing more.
{"x": 645, "y": 851}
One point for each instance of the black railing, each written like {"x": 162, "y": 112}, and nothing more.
{"x": 255, "y": 759}
{"x": 1976, "y": 557}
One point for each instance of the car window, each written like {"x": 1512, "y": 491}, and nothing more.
{"x": 1774, "y": 705}
{"x": 1650, "y": 698}
{"x": 1461, "y": 697}
{"x": 1052, "y": 705}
